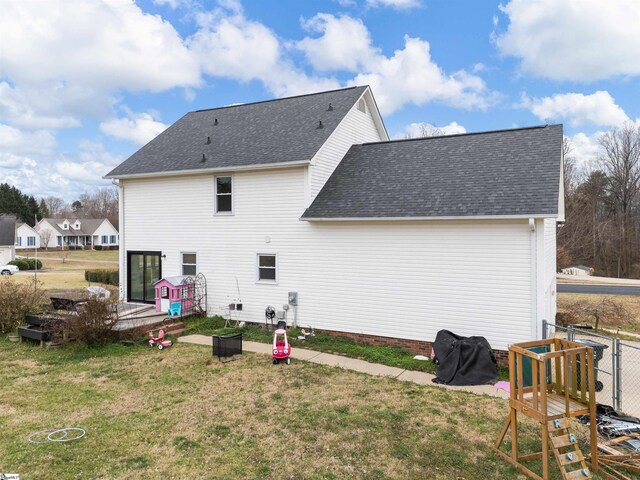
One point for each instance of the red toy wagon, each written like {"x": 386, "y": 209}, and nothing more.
{"x": 281, "y": 347}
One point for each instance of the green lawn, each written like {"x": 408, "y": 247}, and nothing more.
{"x": 180, "y": 413}
{"x": 391, "y": 356}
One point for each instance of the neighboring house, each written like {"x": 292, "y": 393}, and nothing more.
{"x": 7, "y": 238}
{"x": 85, "y": 232}
{"x": 382, "y": 240}
{"x": 26, "y": 236}
{"x": 579, "y": 270}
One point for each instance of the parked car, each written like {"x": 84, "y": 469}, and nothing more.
{"x": 8, "y": 269}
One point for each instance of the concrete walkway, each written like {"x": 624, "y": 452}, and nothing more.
{"x": 353, "y": 364}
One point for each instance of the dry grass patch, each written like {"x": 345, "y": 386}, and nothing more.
{"x": 181, "y": 414}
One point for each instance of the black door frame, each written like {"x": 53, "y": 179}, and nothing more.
{"x": 144, "y": 253}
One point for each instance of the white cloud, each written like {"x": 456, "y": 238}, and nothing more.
{"x": 411, "y": 76}
{"x": 16, "y": 141}
{"x": 230, "y": 45}
{"x": 345, "y": 43}
{"x": 104, "y": 44}
{"x": 585, "y": 149}
{"x": 422, "y": 129}
{"x": 70, "y": 59}
{"x": 139, "y": 128}
{"x": 61, "y": 174}
{"x": 408, "y": 76}
{"x": 599, "y": 108}
{"x": 399, "y": 4}
{"x": 579, "y": 40}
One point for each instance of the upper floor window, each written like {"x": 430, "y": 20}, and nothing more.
{"x": 224, "y": 202}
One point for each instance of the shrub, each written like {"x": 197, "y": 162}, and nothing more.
{"x": 608, "y": 311}
{"x": 97, "y": 247}
{"x": 27, "y": 263}
{"x": 18, "y": 300}
{"x": 564, "y": 319}
{"x": 94, "y": 322}
{"x": 22, "y": 264}
{"x": 108, "y": 277}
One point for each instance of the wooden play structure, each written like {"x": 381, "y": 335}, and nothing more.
{"x": 552, "y": 381}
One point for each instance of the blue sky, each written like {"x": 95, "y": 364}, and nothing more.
{"x": 85, "y": 83}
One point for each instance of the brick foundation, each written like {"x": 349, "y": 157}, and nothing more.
{"x": 419, "y": 347}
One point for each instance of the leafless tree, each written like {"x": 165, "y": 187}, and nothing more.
{"x": 55, "y": 205}
{"x": 425, "y": 130}
{"x": 45, "y": 237}
{"x": 607, "y": 311}
{"x": 620, "y": 160}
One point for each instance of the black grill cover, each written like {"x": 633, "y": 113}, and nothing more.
{"x": 464, "y": 360}
{"x": 227, "y": 346}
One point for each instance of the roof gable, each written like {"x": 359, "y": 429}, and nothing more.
{"x": 278, "y": 131}
{"x": 503, "y": 173}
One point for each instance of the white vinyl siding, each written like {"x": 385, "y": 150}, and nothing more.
{"x": 393, "y": 279}
{"x": 356, "y": 127}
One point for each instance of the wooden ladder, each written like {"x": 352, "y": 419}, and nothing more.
{"x": 565, "y": 448}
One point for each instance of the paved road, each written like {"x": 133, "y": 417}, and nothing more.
{"x": 598, "y": 289}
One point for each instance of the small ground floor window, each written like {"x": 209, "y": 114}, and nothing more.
{"x": 189, "y": 263}
{"x": 267, "y": 268}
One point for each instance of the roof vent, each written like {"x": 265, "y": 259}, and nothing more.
{"x": 320, "y": 125}
{"x": 204, "y": 159}
{"x": 215, "y": 122}
{"x": 208, "y": 140}
{"x": 330, "y": 109}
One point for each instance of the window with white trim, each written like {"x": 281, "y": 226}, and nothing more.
{"x": 31, "y": 241}
{"x": 267, "y": 268}
{"x": 112, "y": 239}
{"x": 105, "y": 239}
{"x": 19, "y": 241}
{"x": 189, "y": 263}
{"x": 224, "y": 196}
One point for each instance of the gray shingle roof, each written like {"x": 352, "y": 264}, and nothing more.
{"x": 507, "y": 172}
{"x": 274, "y": 131}
{"x": 87, "y": 225}
{"x": 7, "y": 230}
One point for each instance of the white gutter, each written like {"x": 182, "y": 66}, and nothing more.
{"x": 410, "y": 219}
{"x": 266, "y": 166}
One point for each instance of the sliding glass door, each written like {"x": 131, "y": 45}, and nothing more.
{"x": 143, "y": 270}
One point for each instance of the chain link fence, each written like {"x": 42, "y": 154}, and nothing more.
{"x": 617, "y": 364}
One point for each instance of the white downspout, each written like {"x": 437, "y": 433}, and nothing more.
{"x": 534, "y": 279}
{"x": 121, "y": 248}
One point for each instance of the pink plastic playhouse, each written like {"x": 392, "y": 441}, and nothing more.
{"x": 174, "y": 295}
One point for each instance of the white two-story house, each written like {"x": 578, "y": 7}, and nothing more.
{"x": 385, "y": 240}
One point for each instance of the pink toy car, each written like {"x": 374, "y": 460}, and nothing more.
{"x": 281, "y": 347}
{"x": 159, "y": 341}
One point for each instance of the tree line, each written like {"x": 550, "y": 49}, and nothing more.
{"x": 602, "y": 206}
{"x": 103, "y": 203}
